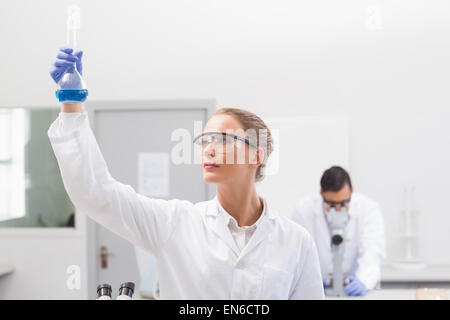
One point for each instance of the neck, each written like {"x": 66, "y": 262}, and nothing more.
{"x": 241, "y": 202}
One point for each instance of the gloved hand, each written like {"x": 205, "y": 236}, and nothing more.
{"x": 64, "y": 60}
{"x": 325, "y": 284}
{"x": 355, "y": 287}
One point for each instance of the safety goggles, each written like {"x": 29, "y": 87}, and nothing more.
{"x": 333, "y": 204}
{"x": 221, "y": 141}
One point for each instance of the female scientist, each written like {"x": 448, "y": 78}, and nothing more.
{"x": 231, "y": 247}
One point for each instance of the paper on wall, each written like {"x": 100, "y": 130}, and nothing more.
{"x": 153, "y": 174}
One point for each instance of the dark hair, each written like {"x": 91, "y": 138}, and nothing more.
{"x": 334, "y": 179}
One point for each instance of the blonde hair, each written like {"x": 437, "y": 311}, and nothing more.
{"x": 251, "y": 121}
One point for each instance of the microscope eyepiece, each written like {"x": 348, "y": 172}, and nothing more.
{"x": 126, "y": 291}
{"x": 104, "y": 291}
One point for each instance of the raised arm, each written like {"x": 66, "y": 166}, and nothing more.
{"x": 72, "y": 107}
{"x": 143, "y": 221}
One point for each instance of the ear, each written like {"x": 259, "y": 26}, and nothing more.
{"x": 257, "y": 158}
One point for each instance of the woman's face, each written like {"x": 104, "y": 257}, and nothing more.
{"x": 228, "y": 163}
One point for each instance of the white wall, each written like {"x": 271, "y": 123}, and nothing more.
{"x": 275, "y": 58}
{"x": 297, "y": 161}
{"x": 41, "y": 260}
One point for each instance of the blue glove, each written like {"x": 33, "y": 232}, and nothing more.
{"x": 325, "y": 284}
{"x": 355, "y": 287}
{"x": 64, "y": 60}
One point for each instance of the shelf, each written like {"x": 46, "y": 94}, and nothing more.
{"x": 430, "y": 273}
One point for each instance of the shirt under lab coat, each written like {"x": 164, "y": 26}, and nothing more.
{"x": 241, "y": 235}
{"x": 364, "y": 237}
{"x": 196, "y": 254}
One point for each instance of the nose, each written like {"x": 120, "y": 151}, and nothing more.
{"x": 209, "y": 150}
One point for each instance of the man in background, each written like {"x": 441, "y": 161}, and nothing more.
{"x": 364, "y": 239}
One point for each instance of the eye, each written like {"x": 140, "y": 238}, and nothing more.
{"x": 203, "y": 141}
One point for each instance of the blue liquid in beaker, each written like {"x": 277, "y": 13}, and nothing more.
{"x": 71, "y": 95}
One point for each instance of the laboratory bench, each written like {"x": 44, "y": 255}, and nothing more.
{"x": 396, "y": 294}
{"x": 404, "y": 283}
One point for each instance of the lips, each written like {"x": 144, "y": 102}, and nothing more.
{"x": 210, "y": 165}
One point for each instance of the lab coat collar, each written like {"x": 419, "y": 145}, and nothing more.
{"x": 213, "y": 209}
{"x": 262, "y": 233}
{"x": 220, "y": 227}
{"x": 230, "y": 219}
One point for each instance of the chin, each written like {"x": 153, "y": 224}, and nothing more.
{"x": 210, "y": 177}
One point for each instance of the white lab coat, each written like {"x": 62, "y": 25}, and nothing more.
{"x": 196, "y": 255}
{"x": 364, "y": 242}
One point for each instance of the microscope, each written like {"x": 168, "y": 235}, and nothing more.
{"x": 337, "y": 221}
{"x": 104, "y": 291}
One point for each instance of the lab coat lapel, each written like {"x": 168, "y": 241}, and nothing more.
{"x": 219, "y": 225}
{"x": 262, "y": 232}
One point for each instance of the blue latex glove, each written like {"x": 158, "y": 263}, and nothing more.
{"x": 355, "y": 287}
{"x": 325, "y": 285}
{"x": 64, "y": 60}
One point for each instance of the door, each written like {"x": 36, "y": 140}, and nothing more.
{"x": 126, "y": 133}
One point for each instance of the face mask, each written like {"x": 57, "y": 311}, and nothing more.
{"x": 337, "y": 221}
